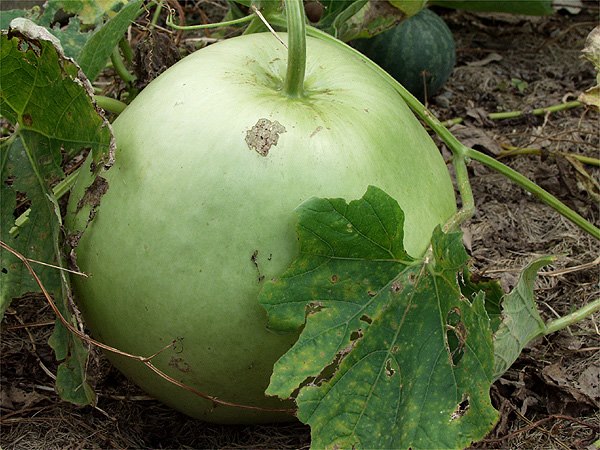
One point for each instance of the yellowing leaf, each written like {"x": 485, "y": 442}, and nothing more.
{"x": 392, "y": 354}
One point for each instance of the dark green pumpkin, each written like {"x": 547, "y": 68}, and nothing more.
{"x": 420, "y": 52}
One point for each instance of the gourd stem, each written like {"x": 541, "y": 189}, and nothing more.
{"x": 296, "y": 68}
{"x": 458, "y": 149}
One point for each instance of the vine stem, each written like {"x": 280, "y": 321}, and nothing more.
{"x": 120, "y": 68}
{"x": 535, "y": 112}
{"x": 534, "y": 189}
{"x": 157, "y": 11}
{"x": 296, "y": 64}
{"x": 517, "y": 151}
{"x": 204, "y": 26}
{"x": 458, "y": 149}
{"x": 466, "y": 194}
{"x": 516, "y": 114}
{"x": 110, "y": 104}
{"x": 570, "y": 319}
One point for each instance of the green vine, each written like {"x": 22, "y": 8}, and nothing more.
{"x": 109, "y": 104}
{"x": 119, "y": 66}
{"x": 570, "y": 319}
{"x": 204, "y": 26}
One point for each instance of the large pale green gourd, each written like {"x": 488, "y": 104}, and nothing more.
{"x": 195, "y": 217}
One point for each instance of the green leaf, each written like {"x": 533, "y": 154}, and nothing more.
{"x": 332, "y": 9}
{"x": 71, "y": 38}
{"x": 392, "y": 355}
{"x": 521, "y": 320}
{"x": 71, "y": 382}
{"x": 48, "y": 100}
{"x": 340, "y": 297}
{"x": 528, "y": 7}
{"x": 471, "y": 285}
{"x": 367, "y": 21}
{"x": 409, "y": 7}
{"x": 98, "y": 48}
{"x": 48, "y": 97}
{"x": 90, "y": 12}
{"x": 34, "y": 240}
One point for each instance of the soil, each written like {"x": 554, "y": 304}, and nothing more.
{"x": 549, "y": 398}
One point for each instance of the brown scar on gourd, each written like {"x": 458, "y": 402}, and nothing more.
{"x": 264, "y": 135}
{"x": 92, "y": 196}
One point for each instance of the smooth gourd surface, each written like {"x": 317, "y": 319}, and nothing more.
{"x": 195, "y": 218}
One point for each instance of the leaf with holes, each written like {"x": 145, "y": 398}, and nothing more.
{"x": 34, "y": 239}
{"x": 47, "y": 99}
{"x": 88, "y": 11}
{"x": 472, "y": 284}
{"x": 392, "y": 355}
{"x": 90, "y": 48}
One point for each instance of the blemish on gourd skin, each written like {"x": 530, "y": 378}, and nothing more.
{"x": 179, "y": 364}
{"x": 254, "y": 259}
{"x": 93, "y": 194}
{"x": 264, "y": 135}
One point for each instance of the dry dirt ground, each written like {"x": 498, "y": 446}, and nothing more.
{"x": 548, "y": 399}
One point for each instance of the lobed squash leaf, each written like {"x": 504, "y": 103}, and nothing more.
{"x": 34, "y": 240}
{"x": 392, "y": 355}
{"x": 48, "y": 101}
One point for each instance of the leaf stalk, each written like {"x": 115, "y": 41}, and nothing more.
{"x": 570, "y": 319}
{"x": 109, "y": 104}
{"x": 119, "y": 66}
